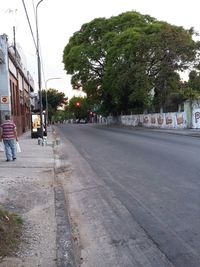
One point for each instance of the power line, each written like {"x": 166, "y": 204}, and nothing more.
{"x": 29, "y": 24}
{"x": 34, "y": 9}
{"x": 41, "y": 60}
{"x": 42, "y": 66}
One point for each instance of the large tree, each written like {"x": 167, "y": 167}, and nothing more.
{"x": 79, "y": 107}
{"x": 194, "y": 80}
{"x": 117, "y": 61}
{"x": 55, "y": 99}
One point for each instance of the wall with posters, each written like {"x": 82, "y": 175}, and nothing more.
{"x": 157, "y": 120}
{"x": 189, "y": 118}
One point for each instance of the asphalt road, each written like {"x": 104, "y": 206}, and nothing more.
{"x": 156, "y": 178}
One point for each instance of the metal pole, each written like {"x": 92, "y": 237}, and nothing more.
{"x": 39, "y": 72}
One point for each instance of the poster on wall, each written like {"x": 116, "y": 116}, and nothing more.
{"x": 36, "y": 125}
{"x": 179, "y": 119}
{"x": 168, "y": 119}
{"x": 160, "y": 119}
{"x": 35, "y": 122}
{"x": 196, "y": 118}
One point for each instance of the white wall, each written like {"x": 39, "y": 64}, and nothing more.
{"x": 189, "y": 118}
{"x": 158, "y": 120}
{"x": 196, "y": 114}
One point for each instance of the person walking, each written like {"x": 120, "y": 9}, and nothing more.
{"x": 8, "y": 132}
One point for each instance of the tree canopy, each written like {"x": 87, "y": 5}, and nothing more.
{"x": 79, "y": 107}
{"x": 118, "y": 61}
{"x": 55, "y": 99}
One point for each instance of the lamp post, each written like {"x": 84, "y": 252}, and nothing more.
{"x": 46, "y": 100}
{"x": 39, "y": 70}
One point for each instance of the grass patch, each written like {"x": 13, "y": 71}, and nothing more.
{"x": 10, "y": 232}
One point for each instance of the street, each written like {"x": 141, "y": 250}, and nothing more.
{"x": 134, "y": 195}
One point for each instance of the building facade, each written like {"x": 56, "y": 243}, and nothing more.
{"x": 16, "y": 84}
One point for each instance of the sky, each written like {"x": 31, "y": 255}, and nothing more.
{"x": 59, "y": 19}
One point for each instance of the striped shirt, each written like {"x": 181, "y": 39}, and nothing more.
{"x": 8, "y": 130}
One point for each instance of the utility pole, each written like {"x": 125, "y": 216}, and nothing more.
{"x": 39, "y": 72}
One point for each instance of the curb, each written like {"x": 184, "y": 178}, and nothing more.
{"x": 64, "y": 245}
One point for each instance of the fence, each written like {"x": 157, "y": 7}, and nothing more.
{"x": 189, "y": 118}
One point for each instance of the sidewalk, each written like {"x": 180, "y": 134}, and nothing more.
{"x": 28, "y": 187}
{"x": 187, "y": 132}
{"x": 32, "y": 155}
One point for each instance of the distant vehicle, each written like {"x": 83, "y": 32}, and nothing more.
{"x": 83, "y": 121}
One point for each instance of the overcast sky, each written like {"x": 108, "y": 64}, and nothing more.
{"x": 59, "y": 19}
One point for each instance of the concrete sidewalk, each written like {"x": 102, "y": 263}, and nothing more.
{"x": 186, "y": 132}
{"x": 28, "y": 186}
{"x": 32, "y": 155}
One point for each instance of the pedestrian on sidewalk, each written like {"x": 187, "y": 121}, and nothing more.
{"x": 8, "y": 133}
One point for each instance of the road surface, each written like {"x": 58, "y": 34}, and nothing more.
{"x": 136, "y": 195}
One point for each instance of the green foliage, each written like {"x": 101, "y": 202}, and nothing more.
{"x": 194, "y": 80}
{"x": 117, "y": 61}
{"x": 55, "y": 99}
{"x": 79, "y": 111}
{"x": 189, "y": 94}
{"x": 58, "y": 116}
{"x": 191, "y": 89}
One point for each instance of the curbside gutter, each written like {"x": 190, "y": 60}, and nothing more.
{"x": 64, "y": 246}
{"x": 64, "y": 243}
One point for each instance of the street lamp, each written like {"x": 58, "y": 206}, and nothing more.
{"x": 39, "y": 70}
{"x": 47, "y": 111}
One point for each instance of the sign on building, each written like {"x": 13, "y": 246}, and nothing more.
{"x": 4, "y": 99}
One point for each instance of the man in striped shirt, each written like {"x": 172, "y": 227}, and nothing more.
{"x": 8, "y": 132}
